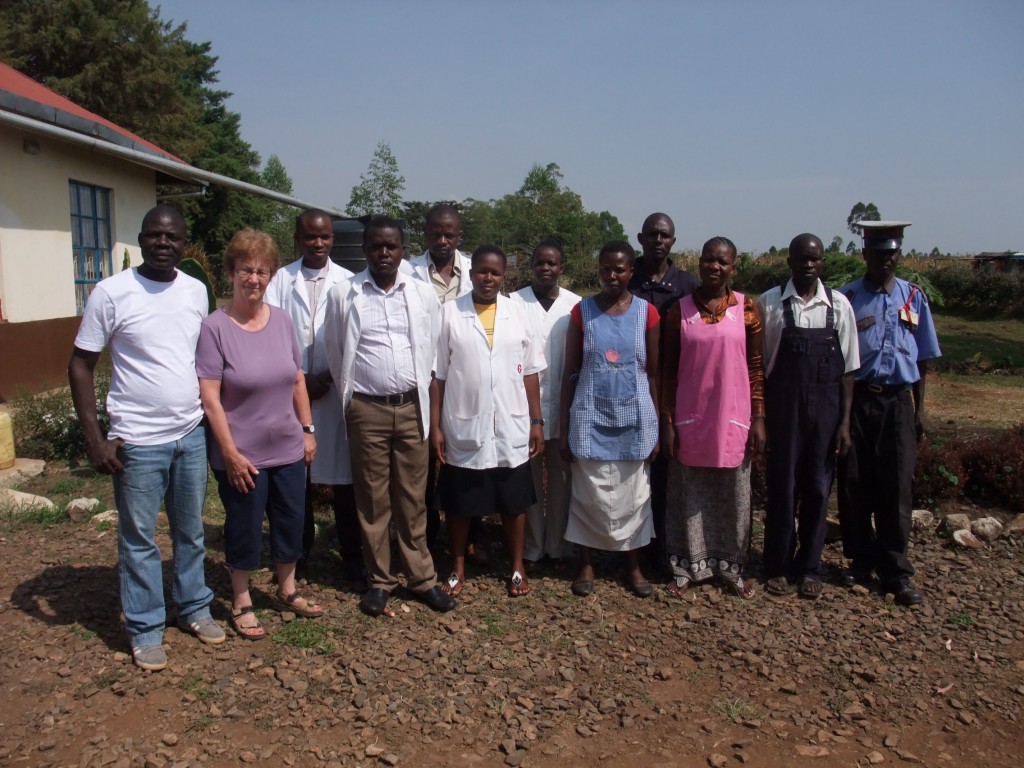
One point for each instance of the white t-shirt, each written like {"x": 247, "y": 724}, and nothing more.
{"x": 152, "y": 329}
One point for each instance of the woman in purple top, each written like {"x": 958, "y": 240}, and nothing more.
{"x": 252, "y": 388}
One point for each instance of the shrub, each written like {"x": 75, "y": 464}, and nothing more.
{"x": 988, "y": 471}
{"x": 47, "y": 427}
{"x": 995, "y": 469}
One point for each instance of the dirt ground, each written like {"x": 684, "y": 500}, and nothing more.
{"x": 544, "y": 680}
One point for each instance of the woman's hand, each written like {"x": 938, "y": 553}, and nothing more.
{"x": 240, "y": 472}
{"x": 437, "y": 444}
{"x": 536, "y": 440}
{"x": 669, "y": 439}
{"x": 654, "y": 452}
{"x": 756, "y": 439}
{"x": 308, "y": 447}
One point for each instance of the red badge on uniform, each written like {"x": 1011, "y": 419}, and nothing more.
{"x": 519, "y": 368}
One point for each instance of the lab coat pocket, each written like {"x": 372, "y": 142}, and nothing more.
{"x": 516, "y": 429}
{"x": 464, "y": 433}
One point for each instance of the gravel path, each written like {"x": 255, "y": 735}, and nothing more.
{"x": 545, "y": 680}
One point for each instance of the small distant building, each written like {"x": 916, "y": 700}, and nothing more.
{"x": 1005, "y": 261}
{"x": 73, "y": 191}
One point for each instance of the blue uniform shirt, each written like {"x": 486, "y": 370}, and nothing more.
{"x": 892, "y": 342}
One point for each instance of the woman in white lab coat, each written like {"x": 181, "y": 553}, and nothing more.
{"x": 485, "y": 415}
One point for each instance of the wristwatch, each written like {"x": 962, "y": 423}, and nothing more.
{"x": 536, "y": 422}
{"x": 309, "y": 429}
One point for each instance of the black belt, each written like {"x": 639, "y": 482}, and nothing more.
{"x": 401, "y": 399}
{"x": 882, "y": 389}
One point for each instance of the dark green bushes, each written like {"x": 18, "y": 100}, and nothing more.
{"x": 988, "y": 471}
{"x": 47, "y": 427}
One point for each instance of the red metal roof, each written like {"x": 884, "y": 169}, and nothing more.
{"x": 14, "y": 82}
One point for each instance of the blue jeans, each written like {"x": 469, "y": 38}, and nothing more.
{"x": 176, "y": 474}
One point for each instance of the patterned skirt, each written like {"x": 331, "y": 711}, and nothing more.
{"x": 707, "y": 522}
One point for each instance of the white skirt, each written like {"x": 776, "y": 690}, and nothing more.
{"x": 611, "y": 505}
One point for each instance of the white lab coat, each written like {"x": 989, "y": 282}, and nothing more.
{"x": 333, "y": 462}
{"x": 551, "y": 327}
{"x": 343, "y": 330}
{"x": 419, "y": 268}
{"x": 485, "y": 417}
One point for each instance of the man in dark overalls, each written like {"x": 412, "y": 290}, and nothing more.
{"x": 810, "y": 354}
{"x": 896, "y": 339}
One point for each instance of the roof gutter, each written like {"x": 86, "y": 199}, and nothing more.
{"x": 178, "y": 170}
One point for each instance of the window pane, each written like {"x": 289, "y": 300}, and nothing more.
{"x": 101, "y": 204}
{"x": 85, "y": 201}
{"x": 73, "y": 193}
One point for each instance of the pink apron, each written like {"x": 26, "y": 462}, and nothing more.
{"x": 713, "y": 393}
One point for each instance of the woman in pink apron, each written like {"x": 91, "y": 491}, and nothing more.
{"x": 712, "y": 421}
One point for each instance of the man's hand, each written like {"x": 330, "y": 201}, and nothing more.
{"x": 104, "y": 458}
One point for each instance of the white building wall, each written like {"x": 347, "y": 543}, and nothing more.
{"x": 36, "y": 267}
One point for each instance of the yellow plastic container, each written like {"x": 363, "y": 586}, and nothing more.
{"x": 6, "y": 441}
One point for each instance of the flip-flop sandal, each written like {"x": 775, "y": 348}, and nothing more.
{"x": 777, "y": 585}
{"x": 743, "y": 590}
{"x": 810, "y": 588}
{"x": 287, "y": 603}
{"x": 255, "y": 632}
{"x": 677, "y": 590}
{"x": 515, "y": 585}
{"x": 452, "y": 587}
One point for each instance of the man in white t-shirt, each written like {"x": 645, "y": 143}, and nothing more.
{"x": 301, "y": 289}
{"x": 156, "y": 447}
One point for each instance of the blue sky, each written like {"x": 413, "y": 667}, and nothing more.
{"x": 754, "y": 120}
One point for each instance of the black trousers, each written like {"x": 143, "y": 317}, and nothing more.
{"x": 346, "y": 521}
{"x": 876, "y": 483}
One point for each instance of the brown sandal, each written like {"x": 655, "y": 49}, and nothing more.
{"x": 677, "y": 590}
{"x": 288, "y": 603}
{"x": 254, "y": 632}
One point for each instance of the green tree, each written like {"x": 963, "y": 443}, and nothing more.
{"x": 278, "y": 219}
{"x": 862, "y": 212}
{"x": 851, "y": 247}
{"x": 835, "y": 246}
{"x": 119, "y": 59}
{"x": 379, "y": 190}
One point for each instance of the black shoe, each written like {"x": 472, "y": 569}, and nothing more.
{"x": 436, "y": 599}
{"x": 373, "y": 602}
{"x": 849, "y": 577}
{"x": 906, "y": 594}
{"x": 583, "y": 588}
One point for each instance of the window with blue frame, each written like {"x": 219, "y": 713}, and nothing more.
{"x": 90, "y": 238}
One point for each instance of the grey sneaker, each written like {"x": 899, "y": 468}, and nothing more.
{"x": 206, "y": 629}
{"x": 149, "y": 657}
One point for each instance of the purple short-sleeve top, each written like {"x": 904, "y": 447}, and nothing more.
{"x": 257, "y": 371}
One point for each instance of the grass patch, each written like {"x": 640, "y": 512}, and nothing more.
{"x": 202, "y": 723}
{"x": 962, "y": 620}
{"x": 736, "y": 710}
{"x": 305, "y": 634}
{"x": 81, "y": 632}
{"x": 995, "y": 342}
{"x": 496, "y": 625}
{"x": 196, "y": 686}
{"x": 14, "y": 516}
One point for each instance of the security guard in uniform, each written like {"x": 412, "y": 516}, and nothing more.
{"x": 897, "y": 338}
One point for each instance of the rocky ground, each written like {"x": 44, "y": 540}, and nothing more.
{"x": 545, "y": 680}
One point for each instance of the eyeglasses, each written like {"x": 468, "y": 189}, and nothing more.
{"x": 245, "y": 273}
